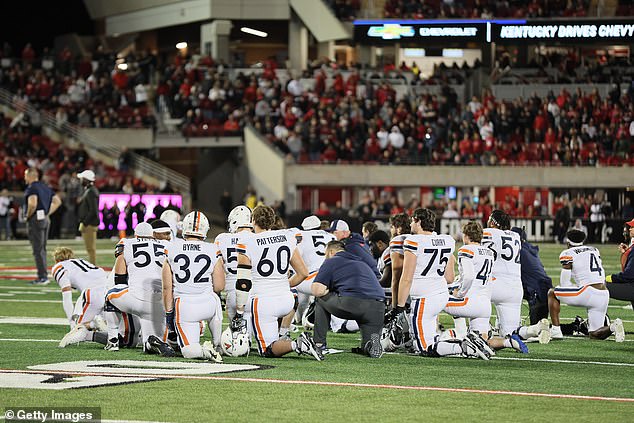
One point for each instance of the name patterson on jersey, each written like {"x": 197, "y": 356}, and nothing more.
{"x": 272, "y": 240}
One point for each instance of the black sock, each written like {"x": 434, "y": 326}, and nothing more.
{"x": 568, "y": 328}
{"x": 100, "y": 337}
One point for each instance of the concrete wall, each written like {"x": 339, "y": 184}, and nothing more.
{"x": 266, "y": 167}
{"x": 159, "y": 14}
{"x": 122, "y": 137}
{"x": 375, "y": 175}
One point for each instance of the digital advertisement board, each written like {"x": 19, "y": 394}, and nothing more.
{"x": 149, "y": 200}
{"x": 437, "y": 32}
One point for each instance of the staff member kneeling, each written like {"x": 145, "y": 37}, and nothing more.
{"x": 346, "y": 287}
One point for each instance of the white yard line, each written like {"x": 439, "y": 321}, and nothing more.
{"x": 7, "y": 300}
{"x": 27, "y": 340}
{"x": 13, "y": 320}
{"x": 348, "y": 385}
{"x": 549, "y": 360}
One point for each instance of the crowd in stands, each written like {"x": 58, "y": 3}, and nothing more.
{"x": 345, "y": 10}
{"x": 97, "y": 90}
{"x": 334, "y": 114}
{"x": 351, "y": 122}
{"x": 23, "y": 144}
{"x": 485, "y": 9}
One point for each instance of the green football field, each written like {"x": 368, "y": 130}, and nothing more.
{"x": 576, "y": 379}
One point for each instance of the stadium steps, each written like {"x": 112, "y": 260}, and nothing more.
{"x": 148, "y": 170}
{"x": 320, "y": 20}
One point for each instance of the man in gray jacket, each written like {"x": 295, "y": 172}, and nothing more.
{"x": 89, "y": 213}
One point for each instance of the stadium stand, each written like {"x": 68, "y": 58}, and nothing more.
{"x": 433, "y": 9}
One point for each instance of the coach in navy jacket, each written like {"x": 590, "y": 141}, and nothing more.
{"x": 346, "y": 287}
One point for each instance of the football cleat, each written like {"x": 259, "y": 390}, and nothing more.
{"x": 617, "y": 329}
{"x": 543, "y": 336}
{"x": 481, "y": 343}
{"x": 580, "y": 326}
{"x": 306, "y": 345}
{"x": 555, "y": 333}
{"x": 156, "y": 346}
{"x": 75, "y": 336}
{"x": 471, "y": 350}
{"x": 373, "y": 347}
{"x": 517, "y": 344}
{"x": 112, "y": 345}
{"x": 172, "y": 341}
{"x": 210, "y": 353}
{"x": 42, "y": 281}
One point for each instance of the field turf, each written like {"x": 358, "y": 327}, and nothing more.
{"x": 575, "y": 379}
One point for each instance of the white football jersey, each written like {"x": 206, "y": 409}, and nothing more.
{"x": 79, "y": 274}
{"x": 192, "y": 263}
{"x": 313, "y": 247}
{"x": 384, "y": 261}
{"x": 396, "y": 244}
{"x": 432, "y": 255}
{"x": 227, "y": 246}
{"x": 506, "y": 246}
{"x": 144, "y": 259}
{"x": 587, "y": 268}
{"x": 270, "y": 253}
{"x": 482, "y": 259}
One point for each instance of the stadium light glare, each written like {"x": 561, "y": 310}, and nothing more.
{"x": 254, "y": 32}
{"x": 122, "y": 66}
{"x": 181, "y": 45}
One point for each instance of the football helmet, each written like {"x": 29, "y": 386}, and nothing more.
{"x": 144, "y": 230}
{"x": 239, "y": 217}
{"x": 235, "y": 344}
{"x": 195, "y": 224}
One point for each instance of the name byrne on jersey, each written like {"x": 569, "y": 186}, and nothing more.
{"x": 191, "y": 247}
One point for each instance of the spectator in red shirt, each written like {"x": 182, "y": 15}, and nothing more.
{"x": 28, "y": 54}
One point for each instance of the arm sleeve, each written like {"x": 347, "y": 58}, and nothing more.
{"x": 468, "y": 273}
{"x": 564, "y": 277}
{"x": 67, "y": 303}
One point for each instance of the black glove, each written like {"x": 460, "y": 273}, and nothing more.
{"x": 169, "y": 321}
{"x": 238, "y": 324}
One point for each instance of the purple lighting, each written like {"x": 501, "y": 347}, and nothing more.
{"x": 150, "y": 201}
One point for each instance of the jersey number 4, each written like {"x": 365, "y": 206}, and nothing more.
{"x": 594, "y": 265}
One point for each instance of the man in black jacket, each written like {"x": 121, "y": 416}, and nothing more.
{"x": 622, "y": 286}
{"x": 89, "y": 213}
{"x": 535, "y": 280}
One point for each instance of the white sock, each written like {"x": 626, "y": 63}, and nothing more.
{"x": 448, "y": 334}
{"x": 507, "y": 343}
{"x": 215, "y": 327}
{"x": 526, "y": 332}
{"x": 283, "y": 331}
{"x": 89, "y": 335}
{"x": 460, "y": 326}
{"x": 192, "y": 351}
{"x": 448, "y": 348}
{"x": 113, "y": 319}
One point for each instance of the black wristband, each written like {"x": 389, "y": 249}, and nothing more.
{"x": 399, "y": 309}
{"x": 121, "y": 279}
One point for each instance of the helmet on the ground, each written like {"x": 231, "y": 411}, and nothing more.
{"x": 234, "y": 344}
